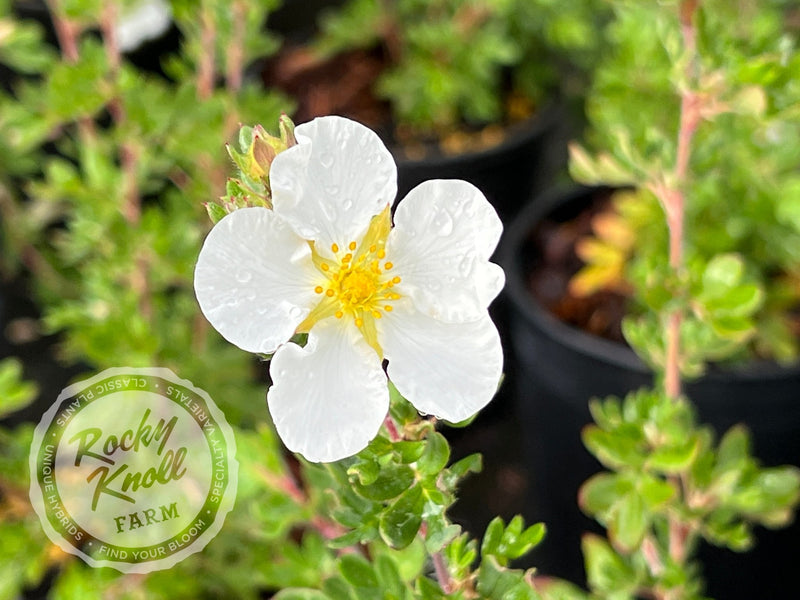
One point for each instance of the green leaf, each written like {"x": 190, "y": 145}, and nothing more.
{"x": 435, "y": 456}
{"x": 724, "y": 271}
{"x": 655, "y": 492}
{"x": 300, "y": 594}
{"x": 629, "y": 522}
{"x": 615, "y": 450}
{"x": 506, "y": 543}
{"x": 400, "y": 523}
{"x": 392, "y": 586}
{"x": 497, "y": 583}
{"x": 469, "y": 464}
{"x": 734, "y": 449}
{"x": 440, "y": 533}
{"x": 606, "y": 571}
{"x": 358, "y": 571}
{"x": 410, "y": 451}
{"x": 429, "y": 590}
{"x": 337, "y": 589}
{"x": 401, "y": 409}
{"x": 392, "y": 481}
{"x": 674, "y": 459}
{"x": 215, "y": 212}
{"x": 598, "y": 494}
{"x": 14, "y": 393}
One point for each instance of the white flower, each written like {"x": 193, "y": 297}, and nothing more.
{"x": 327, "y": 261}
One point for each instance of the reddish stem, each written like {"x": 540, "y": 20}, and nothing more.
{"x": 66, "y": 32}
{"x": 205, "y": 69}
{"x": 442, "y": 574}
{"x": 235, "y": 58}
{"x": 673, "y": 198}
{"x": 394, "y": 435}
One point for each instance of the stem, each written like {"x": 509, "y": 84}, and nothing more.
{"x": 442, "y": 574}
{"x": 128, "y": 154}
{"x": 235, "y": 59}
{"x": 205, "y": 68}
{"x": 67, "y": 33}
{"x": 394, "y": 435}
{"x": 672, "y": 198}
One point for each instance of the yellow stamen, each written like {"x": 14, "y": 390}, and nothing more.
{"x": 355, "y": 284}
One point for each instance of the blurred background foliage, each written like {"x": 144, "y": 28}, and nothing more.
{"x": 108, "y": 154}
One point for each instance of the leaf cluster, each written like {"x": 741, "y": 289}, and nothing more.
{"x": 390, "y": 504}
{"x": 669, "y": 480}
{"x": 455, "y": 62}
{"x": 742, "y": 177}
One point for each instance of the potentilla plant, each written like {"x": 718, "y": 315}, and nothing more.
{"x": 376, "y": 327}
{"x": 694, "y": 113}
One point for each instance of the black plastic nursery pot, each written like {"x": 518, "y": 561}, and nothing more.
{"x": 556, "y": 370}
{"x": 514, "y": 169}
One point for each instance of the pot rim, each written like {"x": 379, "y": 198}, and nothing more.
{"x": 616, "y": 354}
{"x": 519, "y": 135}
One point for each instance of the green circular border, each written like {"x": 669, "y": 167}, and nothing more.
{"x": 208, "y": 511}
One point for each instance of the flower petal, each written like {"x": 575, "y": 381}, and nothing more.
{"x": 450, "y": 370}
{"x": 254, "y": 279}
{"x": 445, "y": 231}
{"x": 328, "y": 399}
{"x": 331, "y": 183}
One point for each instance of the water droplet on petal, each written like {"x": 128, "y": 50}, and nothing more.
{"x": 295, "y": 312}
{"x": 249, "y": 295}
{"x": 243, "y": 276}
{"x": 443, "y": 223}
{"x": 332, "y": 190}
{"x": 469, "y": 208}
{"x": 347, "y": 205}
{"x": 465, "y": 266}
{"x": 326, "y": 160}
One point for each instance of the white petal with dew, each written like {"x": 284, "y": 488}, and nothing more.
{"x": 328, "y": 399}
{"x": 329, "y": 185}
{"x": 450, "y": 370}
{"x": 255, "y": 279}
{"x": 445, "y": 231}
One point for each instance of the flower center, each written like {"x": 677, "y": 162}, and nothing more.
{"x": 357, "y": 288}
{"x": 358, "y": 283}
